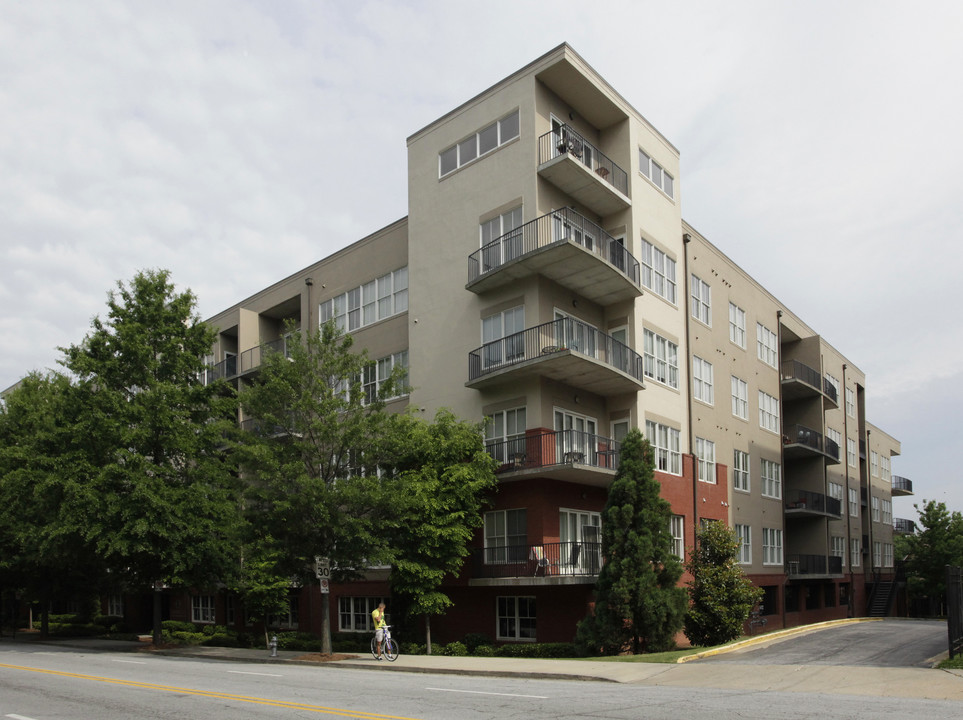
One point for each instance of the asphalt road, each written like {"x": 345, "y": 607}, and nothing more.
{"x": 887, "y": 643}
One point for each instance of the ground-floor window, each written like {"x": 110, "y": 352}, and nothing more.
{"x": 770, "y": 600}
{"x": 115, "y": 605}
{"x": 843, "y": 594}
{"x": 516, "y": 618}
{"x": 202, "y": 608}
{"x": 354, "y": 613}
{"x": 677, "y": 529}
{"x": 288, "y": 619}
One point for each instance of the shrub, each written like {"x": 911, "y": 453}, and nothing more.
{"x": 473, "y": 641}
{"x": 538, "y": 650}
{"x": 411, "y": 648}
{"x": 454, "y": 649}
{"x": 484, "y": 651}
{"x": 178, "y": 626}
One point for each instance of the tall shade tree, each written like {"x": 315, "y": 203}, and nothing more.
{"x": 722, "y": 596}
{"x": 159, "y": 503}
{"x": 446, "y": 477}
{"x": 638, "y": 605}
{"x": 316, "y": 438}
{"x": 937, "y": 543}
{"x": 43, "y": 551}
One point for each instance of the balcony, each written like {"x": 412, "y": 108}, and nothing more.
{"x": 582, "y": 171}
{"x": 570, "y": 455}
{"x": 799, "y": 381}
{"x": 565, "y": 350}
{"x": 545, "y": 563}
{"x": 565, "y": 247}
{"x": 813, "y": 565}
{"x": 904, "y": 526}
{"x": 800, "y": 441}
{"x": 902, "y": 486}
{"x": 247, "y": 361}
{"x": 803, "y": 503}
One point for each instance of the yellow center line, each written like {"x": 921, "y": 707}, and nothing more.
{"x": 212, "y": 694}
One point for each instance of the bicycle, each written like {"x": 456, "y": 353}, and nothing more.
{"x": 389, "y": 648}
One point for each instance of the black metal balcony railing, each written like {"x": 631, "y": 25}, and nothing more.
{"x": 248, "y": 360}
{"x": 813, "y": 565}
{"x": 904, "y": 526}
{"x": 795, "y": 370}
{"x": 802, "y": 435}
{"x": 564, "y": 447}
{"x": 813, "y": 502}
{"x": 560, "y": 559}
{"x": 550, "y": 338}
{"x": 560, "y": 226}
{"x": 830, "y": 391}
{"x": 567, "y": 141}
{"x": 902, "y": 484}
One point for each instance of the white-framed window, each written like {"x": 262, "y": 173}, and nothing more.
{"x": 744, "y": 536}
{"x": 354, "y": 613}
{"x": 770, "y": 475}
{"x": 737, "y": 325}
{"x": 835, "y": 436}
{"x": 851, "y": 452}
{"x": 702, "y": 380}
{"x": 287, "y": 619}
{"x": 505, "y": 434}
{"x": 850, "y": 403}
{"x": 375, "y": 300}
{"x": 837, "y": 548}
{"x": 576, "y": 437}
{"x": 202, "y": 608}
{"x": 661, "y": 359}
{"x": 767, "y": 345}
{"x": 506, "y": 536}
{"x": 115, "y": 605}
{"x": 887, "y": 512}
{"x": 887, "y": 555}
{"x": 516, "y": 617}
{"x": 874, "y": 505}
{"x": 874, "y": 463}
{"x": 836, "y": 491}
{"x": 656, "y": 173}
{"x": 768, "y": 412}
{"x": 855, "y": 553}
{"x": 375, "y": 374}
{"x": 677, "y": 530}
{"x": 877, "y": 553}
{"x": 771, "y": 546}
{"x": 666, "y": 442}
{"x": 834, "y": 382}
{"x": 705, "y": 450}
{"x": 740, "y": 398}
{"x": 701, "y": 300}
{"x": 884, "y": 471}
{"x": 740, "y": 470}
{"x": 658, "y": 272}
{"x": 478, "y": 145}
{"x": 500, "y": 238}
{"x": 503, "y": 337}
{"x": 853, "y": 502}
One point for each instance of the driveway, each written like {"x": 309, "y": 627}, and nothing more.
{"x": 883, "y": 643}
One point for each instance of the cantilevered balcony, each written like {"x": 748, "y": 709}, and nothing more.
{"x": 582, "y": 171}
{"x": 903, "y": 526}
{"x": 813, "y": 565}
{"x": 565, "y": 247}
{"x": 247, "y": 361}
{"x": 562, "y": 455}
{"x": 801, "y": 381}
{"x": 803, "y": 503}
{"x": 565, "y": 350}
{"x": 545, "y": 563}
{"x": 800, "y": 441}
{"x": 902, "y": 486}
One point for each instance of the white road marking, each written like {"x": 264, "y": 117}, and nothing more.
{"x": 129, "y": 662}
{"x": 479, "y": 692}
{"x": 239, "y": 672}
{"x": 18, "y": 717}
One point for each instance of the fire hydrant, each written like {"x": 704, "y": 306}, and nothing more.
{"x": 274, "y": 645}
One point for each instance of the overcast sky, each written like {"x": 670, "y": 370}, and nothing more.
{"x": 821, "y": 146}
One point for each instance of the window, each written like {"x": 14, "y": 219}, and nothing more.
{"x": 377, "y": 373}
{"x": 875, "y": 508}
{"x": 658, "y": 272}
{"x": 851, "y": 452}
{"x": 580, "y": 540}
{"x": 202, "y": 608}
{"x": 705, "y": 450}
{"x": 503, "y": 337}
{"x": 666, "y": 443}
{"x": 506, "y": 536}
{"x": 516, "y": 618}
{"x": 354, "y": 613}
{"x": 744, "y": 536}
{"x": 661, "y": 359}
{"x": 767, "y": 345}
{"x": 740, "y": 470}
{"x": 478, "y": 145}
{"x": 701, "y": 301}
{"x": 874, "y": 463}
{"x": 836, "y": 491}
{"x": 884, "y": 471}
{"x": 701, "y": 380}
{"x": 771, "y": 478}
{"x": 740, "y": 398}
{"x": 288, "y": 619}
{"x": 855, "y": 552}
{"x": 850, "y": 403}
{"x": 853, "y": 502}
{"x": 887, "y": 555}
{"x": 737, "y": 325}
{"x": 677, "y": 530}
{"x": 576, "y": 436}
{"x": 768, "y": 412}
{"x": 877, "y": 553}
{"x": 835, "y": 436}
{"x": 837, "y": 548}
{"x": 501, "y": 239}
{"x": 655, "y": 172}
{"x": 115, "y": 605}
{"x": 771, "y": 546}
{"x": 887, "y": 512}
{"x": 363, "y": 305}
{"x": 505, "y": 435}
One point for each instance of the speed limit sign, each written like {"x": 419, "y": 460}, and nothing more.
{"x": 322, "y": 568}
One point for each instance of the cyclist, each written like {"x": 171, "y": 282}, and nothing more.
{"x": 378, "y": 618}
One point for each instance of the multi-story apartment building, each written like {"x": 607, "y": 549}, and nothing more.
{"x": 544, "y": 279}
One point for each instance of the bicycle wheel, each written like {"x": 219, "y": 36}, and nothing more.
{"x": 390, "y": 648}
{"x": 374, "y": 648}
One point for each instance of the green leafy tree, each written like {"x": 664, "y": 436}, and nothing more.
{"x": 158, "y": 502}
{"x": 262, "y": 589}
{"x": 311, "y": 457}
{"x": 937, "y": 543}
{"x": 446, "y": 477}
{"x": 638, "y": 605}
{"x": 721, "y": 595}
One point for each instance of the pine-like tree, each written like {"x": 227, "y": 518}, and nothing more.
{"x": 638, "y": 606}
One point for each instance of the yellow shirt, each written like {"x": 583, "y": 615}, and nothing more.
{"x": 378, "y": 617}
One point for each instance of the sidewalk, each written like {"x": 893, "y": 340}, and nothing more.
{"x": 836, "y": 680}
